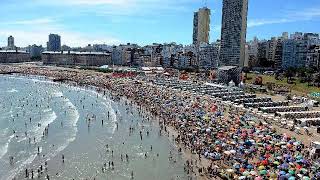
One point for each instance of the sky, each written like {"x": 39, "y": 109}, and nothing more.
{"x": 82, "y": 22}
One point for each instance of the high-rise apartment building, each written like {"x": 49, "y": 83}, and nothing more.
{"x": 208, "y": 56}
{"x": 233, "y": 32}
{"x": 272, "y": 45}
{"x": 294, "y": 53}
{"x": 313, "y": 57}
{"x": 263, "y": 53}
{"x": 54, "y": 43}
{"x": 285, "y": 36}
{"x": 201, "y": 26}
{"x": 11, "y": 43}
{"x": 278, "y": 53}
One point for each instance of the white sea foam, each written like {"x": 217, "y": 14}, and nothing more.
{"x": 105, "y": 102}
{"x": 44, "y": 81}
{"x": 12, "y": 90}
{"x": 73, "y": 112}
{"x": 57, "y": 94}
{"x": 4, "y": 148}
{"x": 75, "y": 117}
{"x": 48, "y": 119}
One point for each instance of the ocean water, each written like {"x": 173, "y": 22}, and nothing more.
{"x": 73, "y": 117}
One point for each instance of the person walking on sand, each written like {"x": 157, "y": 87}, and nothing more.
{"x": 112, "y": 165}
{"x": 27, "y": 174}
{"x": 141, "y": 135}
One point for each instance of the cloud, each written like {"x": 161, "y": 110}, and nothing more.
{"x": 95, "y": 2}
{"x": 289, "y": 16}
{"x": 261, "y": 22}
{"x": 74, "y": 39}
{"x": 122, "y": 7}
{"x": 306, "y": 14}
{"x": 39, "y": 21}
{"x": 36, "y": 31}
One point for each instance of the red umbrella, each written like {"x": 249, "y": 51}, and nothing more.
{"x": 264, "y": 162}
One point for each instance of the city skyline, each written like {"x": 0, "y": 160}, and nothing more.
{"x": 82, "y": 22}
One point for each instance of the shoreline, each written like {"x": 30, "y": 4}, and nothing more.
{"x": 168, "y": 126}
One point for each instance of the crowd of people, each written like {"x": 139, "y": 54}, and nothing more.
{"x": 233, "y": 143}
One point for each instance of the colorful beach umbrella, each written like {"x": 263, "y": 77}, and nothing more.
{"x": 263, "y": 172}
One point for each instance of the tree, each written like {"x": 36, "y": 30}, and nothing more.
{"x": 317, "y": 79}
{"x": 309, "y": 79}
{"x": 290, "y": 72}
{"x": 302, "y": 74}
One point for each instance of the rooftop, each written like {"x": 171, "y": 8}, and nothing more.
{"x": 76, "y": 52}
{"x": 13, "y": 51}
{"x": 226, "y": 68}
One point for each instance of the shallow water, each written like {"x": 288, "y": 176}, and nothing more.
{"x": 74, "y": 116}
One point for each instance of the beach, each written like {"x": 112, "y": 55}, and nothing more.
{"x": 217, "y": 140}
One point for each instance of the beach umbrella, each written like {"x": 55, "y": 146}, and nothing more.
{"x": 299, "y": 157}
{"x": 236, "y": 166}
{"x": 306, "y": 178}
{"x": 282, "y": 172}
{"x": 263, "y": 172}
{"x": 249, "y": 166}
{"x": 284, "y": 166}
{"x": 253, "y": 173}
{"x": 246, "y": 173}
{"x": 279, "y": 157}
{"x": 291, "y": 178}
{"x": 242, "y": 170}
{"x": 273, "y": 175}
{"x": 258, "y": 178}
{"x": 261, "y": 168}
{"x": 242, "y": 177}
{"x": 264, "y": 162}
{"x": 276, "y": 163}
{"x": 304, "y": 161}
{"x": 230, "y": 170}
{"x": 291, "y": 172}
{"x": 283, "y": 177}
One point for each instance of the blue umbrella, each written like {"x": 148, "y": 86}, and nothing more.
{"x": 237, "y": 166}
{"x": 282, "y": 177}
{"x": 292, "y": 178}
{"x": 285, "y": 166}
{"x": 282, "y": 173}
{"x": 249, "y": 166}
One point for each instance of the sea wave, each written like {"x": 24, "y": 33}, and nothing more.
{"x": 106, "y": 102}
{"x": 72, "y": 123}
{"x": 75, "y": 117}
{"x": 4, "y": 148}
